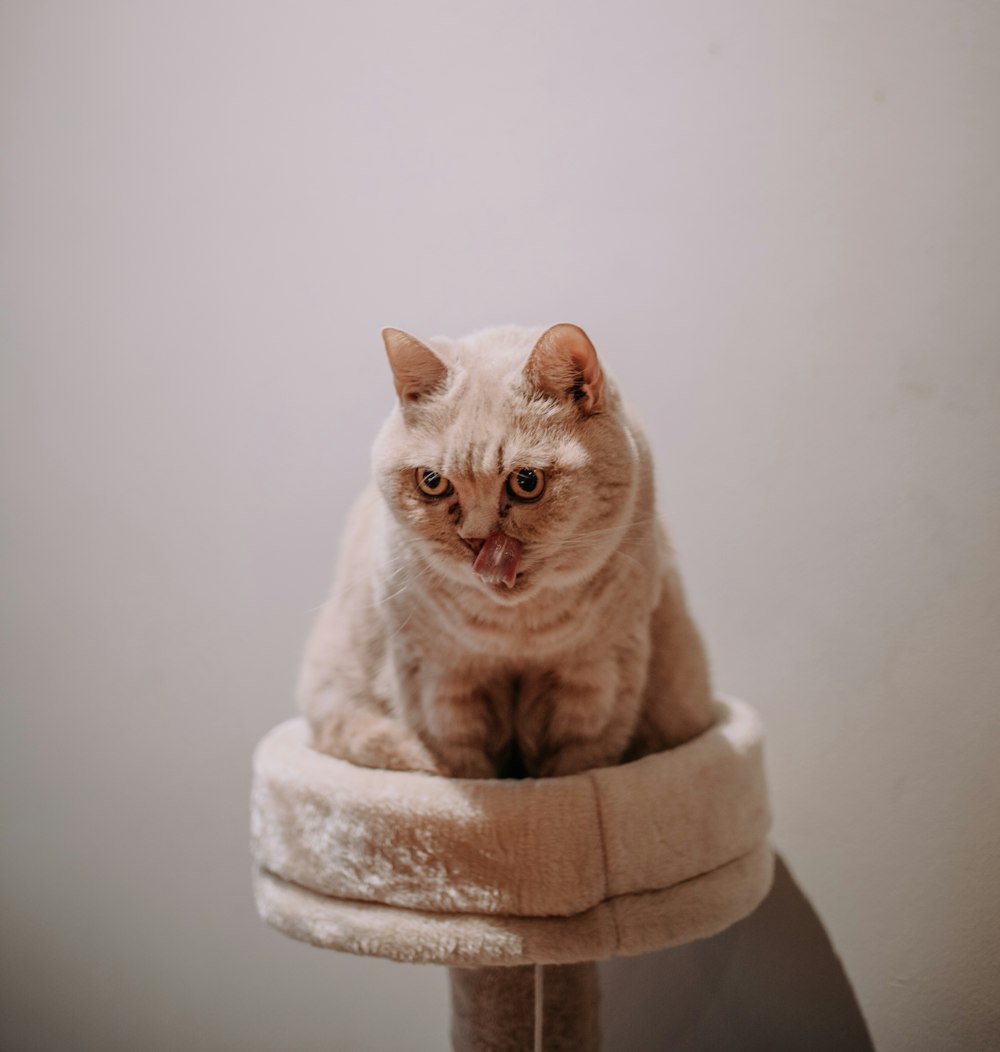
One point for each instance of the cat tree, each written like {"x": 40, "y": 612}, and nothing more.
{"x": 491, "y": 876}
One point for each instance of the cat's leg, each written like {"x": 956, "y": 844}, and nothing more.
{"x": 468, "y": 724}
{"x": 344, "y": 689}
{"x": 349, "y": 712}
{"x": 582, "y": 717}
{"x": 360, "y": 734}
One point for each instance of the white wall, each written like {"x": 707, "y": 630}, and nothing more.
{"x": 781, "y": 225}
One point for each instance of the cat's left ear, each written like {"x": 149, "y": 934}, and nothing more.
{"x": 416, "y": 370}
{"x": 564, "y": 366}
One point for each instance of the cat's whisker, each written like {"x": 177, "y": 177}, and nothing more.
{"x": 342, "y": 600}
{"x": 409, "y": 618}
{"x": 583, "y": 541}
{"x": 628, "y": 557}
{"x": 344, "y": 590}
{"x": 425, "y": 571}
{"x": 588, "y": 535}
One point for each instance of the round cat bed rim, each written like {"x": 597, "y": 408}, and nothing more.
{"x": 571, "y": 868}
{"x": 735, "y": 718}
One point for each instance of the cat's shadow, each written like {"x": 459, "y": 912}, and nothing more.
{"x": 772, "y": 982}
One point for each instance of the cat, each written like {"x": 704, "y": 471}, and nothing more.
{"x": 506, "y": 602}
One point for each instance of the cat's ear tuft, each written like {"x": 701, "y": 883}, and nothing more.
{"x": 564, "y": 366}
{"x": 416, "y": 370}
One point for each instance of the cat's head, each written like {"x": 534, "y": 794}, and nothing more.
{"x": 508, "y": 460}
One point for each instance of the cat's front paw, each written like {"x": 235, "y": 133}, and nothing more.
{"x": 369, "y": 740}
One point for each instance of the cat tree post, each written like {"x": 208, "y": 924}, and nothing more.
{"x": 499, "y": 874}
{"x": 496, "y": 1009}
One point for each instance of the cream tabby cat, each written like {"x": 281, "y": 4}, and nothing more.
{"x": 507, "y": 601}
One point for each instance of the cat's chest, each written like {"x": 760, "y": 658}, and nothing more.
{"x": 459, "y": 627}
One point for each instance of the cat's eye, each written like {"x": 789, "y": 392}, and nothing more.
{"x": 526, "y": 484}
{"x": 432, "y": 483}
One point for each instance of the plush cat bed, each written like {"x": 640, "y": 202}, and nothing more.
{"x": 416, "y": 867}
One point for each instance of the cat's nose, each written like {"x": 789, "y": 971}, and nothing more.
{"x": 474, "y": 543}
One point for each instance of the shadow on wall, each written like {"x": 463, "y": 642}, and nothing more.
{"x": 771, "y": 982}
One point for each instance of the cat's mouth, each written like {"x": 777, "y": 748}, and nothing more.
{"x": 498, "y": 559}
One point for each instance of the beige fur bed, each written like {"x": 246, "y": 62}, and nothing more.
{"x": 417, "y": 867}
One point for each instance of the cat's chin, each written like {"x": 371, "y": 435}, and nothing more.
{"x": 523, "y": 588}
{"x": 525, "y": 585}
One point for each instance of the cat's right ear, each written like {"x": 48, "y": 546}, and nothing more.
{"x": 416, "y": 370}
{"x": 564, "y": 366}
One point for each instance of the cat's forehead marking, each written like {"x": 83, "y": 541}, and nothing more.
{"x": 461, "y": 455}
{"x": 474, "y": 458}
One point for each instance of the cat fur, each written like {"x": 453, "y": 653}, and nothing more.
{"x": 417, "y": 662}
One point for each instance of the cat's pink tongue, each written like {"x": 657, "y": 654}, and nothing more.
{"x": 498, "y": 559}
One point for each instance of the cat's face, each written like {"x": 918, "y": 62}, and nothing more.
{"x": 507, "y": 461}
